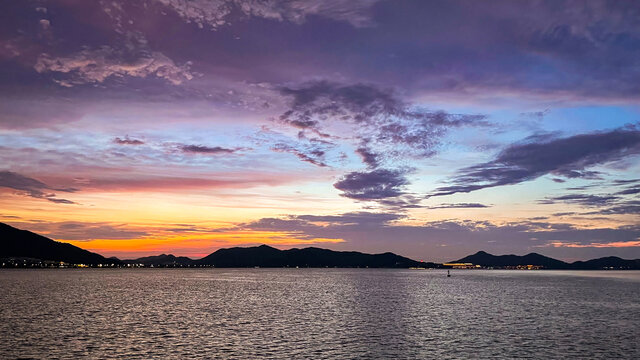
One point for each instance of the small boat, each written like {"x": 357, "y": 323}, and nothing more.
{"x": 448, "y": 273}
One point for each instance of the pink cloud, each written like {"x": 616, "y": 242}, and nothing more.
{"x": 617, "y": 244}
{"x": 95, "y": 66}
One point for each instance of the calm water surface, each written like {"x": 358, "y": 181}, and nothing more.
{"x": 318, "y": 313}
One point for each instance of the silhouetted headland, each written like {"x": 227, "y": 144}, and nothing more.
{"x": 267, "y": 256}
{"x": 486, "y": 260}
{"x": 27, "y": 247}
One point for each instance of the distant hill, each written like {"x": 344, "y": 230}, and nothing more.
{"x": 613, "y": 262}
{"x": 16, "y": 243}
{"x": 488, "y": 260}
{"x": 23, "y": 244}
{"x": 267, "y": 256}
{"x": 162, "y": 260}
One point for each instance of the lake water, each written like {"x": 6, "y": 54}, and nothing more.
{"x": 318, "y": 313}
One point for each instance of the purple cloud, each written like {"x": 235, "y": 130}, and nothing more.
{"x": 377, "y": 117}
{"x": 95, "y": 66}
{"x": 581, "y": 199}
{"x": 368, "y": 157}
{"x": 568, "y": 157}
{"x": 200, "y": 149}
{"x": 629, "y": 191}
{"x": 631, "y": 207}
{"x": 459, "y": 206}
{"x": 31, "y": 187}
{"x": 217, "y": 13}
{"x": 127, "y": 141}
{"x": 383, "y": 127}
{"x": 314, "y": 155}
{"x": 607, "y": 204}
{"x": 373, "y": 185}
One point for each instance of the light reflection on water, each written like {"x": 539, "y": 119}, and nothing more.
{"x": 318, "y": 313}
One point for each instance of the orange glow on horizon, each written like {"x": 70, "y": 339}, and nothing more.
{"x": 195, "y": 245}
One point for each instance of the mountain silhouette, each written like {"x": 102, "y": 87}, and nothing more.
{"x": 25, "y": 244}
{"x": 606, "y": 263}
{"x": 16, "y": 243}
{"x": 161, "y": 260}
{"x": 488, "y": 260}
{"x": 485, "y": 259}
{"x": 267, "y": 256}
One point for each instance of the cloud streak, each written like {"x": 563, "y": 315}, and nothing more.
{"x": 218, "y": 13}
{"x": 201, "y": 149}
{"x": 569, "y": 157}
{"x": 313, "y": 154}
{"x": 127, "y": 141}
{"x": 32, "y": 187}
{"x": 460, "y": 206}
{"x": 92, "y": 66}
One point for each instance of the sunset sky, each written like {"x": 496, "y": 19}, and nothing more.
{"x": 432, "y": 129}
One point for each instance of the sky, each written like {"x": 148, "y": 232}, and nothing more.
{"x": 431, "y": 129}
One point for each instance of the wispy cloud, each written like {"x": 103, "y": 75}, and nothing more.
{"x": 127, "y": 141}
{"x": 617, "y": 244}
{"x": 218, "y": 13}
{"x": 201, "y": 149}
{"x": 377, "y": 118}
{"x": 313, "y": 154}
{"x": 97, "y": 65}
{"x": 32, "y": 187}
{"x": 570, "y": 157}
{"x": 459, "y": 206}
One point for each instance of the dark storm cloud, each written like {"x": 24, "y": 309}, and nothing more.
{"x": 127, "y": 141}
{"x": 32, "y": 187}
{"x": 201, "y": 149}
{"x": 373, "y": 185}
{"x": 568, "y": 157}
